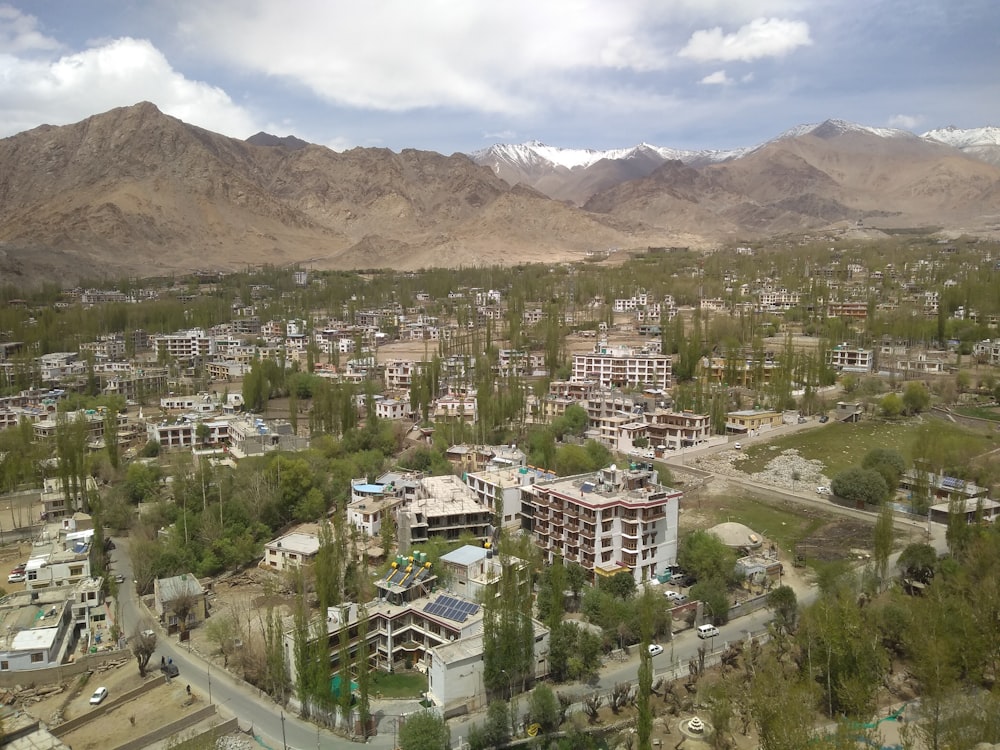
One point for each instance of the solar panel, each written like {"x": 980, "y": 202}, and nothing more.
{"x": 451, "y": 608}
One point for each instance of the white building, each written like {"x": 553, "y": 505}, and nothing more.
{"x": 621, "y": 367}
{"x": 292, "y": 550}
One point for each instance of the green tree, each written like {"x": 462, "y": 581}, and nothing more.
{"x": 891, "y": 405}
{"x": 882, "y": 544}
{"x": 424, "y": 730}
{"x": 918, "y": 562}
{"x": 543, "y": 708}
{"x": 783, "y": 602}
{"x": 860, "y": 485}
{"x": 705, "y": 556}
{"x": 916, "y": 398}
{"x": 644, "y": 720}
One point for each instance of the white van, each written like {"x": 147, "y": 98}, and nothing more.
{"x": 707, "y": 631}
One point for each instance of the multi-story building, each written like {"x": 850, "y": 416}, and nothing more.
{"x": 612, "y": 521}
{"x": 674, "y": 430}
{"x": 845, "y": 358}
{"x": 855, "y": 310}
{"x": 184, "y": 346}
{"x": 444, "y": 508}
{"x": 753, "y": 420}
{"x": 54, "y": 497}
{"x": 36, "y": 630}
{"x": 290, "y": 551}
{"x": 622, "y": 367}
{"x": 504, "y": 483}
{"x": 61, "y": 561}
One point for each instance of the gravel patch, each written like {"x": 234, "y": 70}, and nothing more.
{"x": 788, "y": 469}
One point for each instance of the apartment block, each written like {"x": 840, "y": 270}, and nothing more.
{"x": 622, "y": 367}
{"x": 612, "y": 521}
{"x": 844, "y": 358}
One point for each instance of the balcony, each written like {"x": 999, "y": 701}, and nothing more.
{"x": 630, "y": 530}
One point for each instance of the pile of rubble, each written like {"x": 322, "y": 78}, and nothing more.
{"x": 788, "y": 469}
{"x": 234, "y": 742}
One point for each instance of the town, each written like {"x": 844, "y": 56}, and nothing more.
{"x": 455, "y": 488}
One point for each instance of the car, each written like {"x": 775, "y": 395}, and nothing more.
{"x": 677, "y": 575}
{"x": 169, "y": 669}
{"x": 676, "y": 596}
{"x": 738, "y": 446}
{"x": 15, "y": 577}
{"x": 821, "y": 490}
{"x": 824, "y": 419}
{"x": 707, "y": 631}
{"x": 655, "y": 649}
{"x": 148, "y": 634}
{"x": 99, "y": 695}
{"x": 119, "y": 578}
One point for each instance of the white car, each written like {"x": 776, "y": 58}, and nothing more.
{"x": 655, "y": 649}
{"x": 821, "y": 490}
{"x": 737, "y": 446}
{"x": 99, "y": 695}
{"x": 15, "y": 578}
{"x": 675, "y": 596}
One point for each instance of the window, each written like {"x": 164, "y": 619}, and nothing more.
{"x": 37, "y": 657}
{"x": 76, "y": 570}
{"x": 4, "y": 665}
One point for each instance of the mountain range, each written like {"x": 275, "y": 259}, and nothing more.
{"x": 135, "y": 192}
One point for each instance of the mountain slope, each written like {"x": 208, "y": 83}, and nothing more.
{"x": 133, "y": 191}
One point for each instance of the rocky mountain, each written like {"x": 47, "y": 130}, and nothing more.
{"x": 133, "y": 191}
{"x": 981, "y": 143}
{"x": 815, "y": 176}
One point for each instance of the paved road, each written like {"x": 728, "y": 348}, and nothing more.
{"x": 276, "y": 728}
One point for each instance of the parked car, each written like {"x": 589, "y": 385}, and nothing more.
{"x": 169, "y": 669}
{"x": 824, "y": 419}
{"x": 655, "y": 649}
{"x": 738, "y": 446}
{"x": 677, "y": 575}
{"x": 822, "y": 490}
{"x": 15, "y": 577}
{"x": 675, "y": 596}
{"x": 707, "y": 631}
{"x": 119, "y": 578}
{"x": 99, "y": 695}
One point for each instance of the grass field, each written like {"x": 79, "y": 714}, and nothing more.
{"x": 841, "y": 445}
{"x": 785, "y": 525}
{"x": 983, "y": 412}
{"x": 399, "y": 684}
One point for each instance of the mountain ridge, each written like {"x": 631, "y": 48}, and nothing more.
{"x": 135, "y": 192}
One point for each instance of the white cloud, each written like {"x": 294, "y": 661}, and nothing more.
{"x": 905, "y": 122}
{"x": 19, "y": 33}
{"x": 119, "y": 73}
{"x": 503, "y": 136}
{"x": 397, "y": 55}
{"x": 718, "y": 78}
{"x": 762, "y": 37}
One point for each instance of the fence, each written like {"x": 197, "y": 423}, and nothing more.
{"x": 61, "y": 672}
{"x": 68, "y": 726}
{"x": 181, "y": 724}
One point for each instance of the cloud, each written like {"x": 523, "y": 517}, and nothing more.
{"x": 762, "y": 37}
{"x": 718, "y": 78}
{"x": 397, "y": 55}
{"x": 905, "y": 122}
{"x": 504, "y": 136}
{"x": 19, "y": 33}
{"x": 119, "y": 73}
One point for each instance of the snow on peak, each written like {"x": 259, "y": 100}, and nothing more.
{"x": 965, "y": 137}
{"x": 536, "y": 152}
{"x": 833, "y": 127}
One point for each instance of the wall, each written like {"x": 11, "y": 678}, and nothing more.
{"x": 61, "y": 673}
{"x": 98, "y": 711}
{"x": 181, "y": 724}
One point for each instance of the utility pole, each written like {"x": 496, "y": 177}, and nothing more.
{"x": 284, "y": 742}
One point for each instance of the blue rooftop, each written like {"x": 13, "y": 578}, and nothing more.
{"x": 369, "y": 489}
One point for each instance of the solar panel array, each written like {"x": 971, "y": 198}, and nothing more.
{"x": 451, "y": 608}
{"x": 950, "y": 483}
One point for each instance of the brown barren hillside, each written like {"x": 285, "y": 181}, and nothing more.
{"x": 133, "y": 191}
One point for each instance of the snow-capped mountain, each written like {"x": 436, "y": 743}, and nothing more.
{"x": 534, "y": 153}
{"x": 979, "y": 143}
{"x": 834, "y": 127}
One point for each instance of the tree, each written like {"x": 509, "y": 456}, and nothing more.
{"x": 887, "y": 462}
{"x": 783, "y": 602}
{"x": 918, "y": 562}
{"x": 543, "y": 708}
{"x": 182, "y": 605}
{"x": 143, "y": 645}
{"x": 644, "y": 720}
{"x": 891, "y": 405}
{"x": 221, "y": 630}
{"x": 882, "y": 544}
{"x": 705, "y": 556}
{"x": 916, "y": 398}
{"x": 424, "y": 730}
{"x": 860, "y": 485}
{"x": 495, "y": 731}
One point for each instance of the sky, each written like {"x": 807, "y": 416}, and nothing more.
{"x": 461, "y": 75}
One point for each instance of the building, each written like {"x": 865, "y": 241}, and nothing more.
{"x": 290, "y": 551}
{"x": 752, "y": 421}
{"x": 36, "y": 630}
{"x": 504, "y": 483}
{"x": 674, "y": 430}
{"x": 254, "y": 436}
{"x": 183, "y": 346}
{"x": 975, "y": 510}
{"x": 610, "y": 522}
{"x": 444, "y": 508}
{"x": 622, "y": 367}
{"x": 844, "y": 358}
{"x": 58, "y": 559}
{"x": 57, "y": 502}
{"x": 169, "y": 593}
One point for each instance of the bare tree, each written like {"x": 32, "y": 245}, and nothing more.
{"x": 222, "y": 631}
{"x": 182, "y": 605}
{"x": 143, "y": 645}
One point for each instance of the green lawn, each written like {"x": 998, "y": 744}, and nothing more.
{"x": 784, "y": 527}
{"x": 840, "y": 445}
{"x": 399, "y": 684}
{"x": 983, "y": 412}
